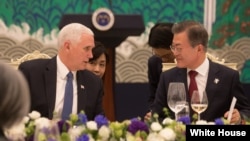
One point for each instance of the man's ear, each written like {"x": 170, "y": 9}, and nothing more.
{"x": 66, "y": 45}
{"x": 200, "y": 47}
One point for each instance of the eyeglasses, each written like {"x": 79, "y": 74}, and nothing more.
{"x": 175, "y": 48}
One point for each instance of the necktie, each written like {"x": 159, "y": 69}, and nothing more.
{"x": 193, "y": 84}
{"x": 68, "y": 97}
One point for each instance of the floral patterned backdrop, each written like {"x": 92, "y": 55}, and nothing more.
{"x": 230, "y": 31}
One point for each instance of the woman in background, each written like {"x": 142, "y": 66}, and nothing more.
{"x": 160, "y": 39}
{"x": 14, "y": 98}
{"x": 97, "y": 64}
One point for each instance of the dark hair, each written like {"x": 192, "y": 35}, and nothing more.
{"x": 196, "y": 32}
{"x": 161, "y": 36}
{"x": 98, "y": 50}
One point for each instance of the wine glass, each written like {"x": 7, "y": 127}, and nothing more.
{"x": 183, "y": 109}
{"x": 176, "y": 97}
{"x": 47, "y": 130}
{"x": 199, "y": 102}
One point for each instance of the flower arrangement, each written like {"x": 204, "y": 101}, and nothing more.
{"x": 79, "y": 128}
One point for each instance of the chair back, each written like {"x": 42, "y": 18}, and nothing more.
{"x": 29, "y": 56}
{"x": 167, "y": 66}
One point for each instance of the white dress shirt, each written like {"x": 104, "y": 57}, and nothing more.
{"x": 201, "y": 77}
{"x": 61, "y": 80}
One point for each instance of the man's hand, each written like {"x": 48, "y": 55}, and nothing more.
{"x": 236, "y": 118}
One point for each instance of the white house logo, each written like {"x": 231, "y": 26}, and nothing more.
{"x": 103, "y": 19}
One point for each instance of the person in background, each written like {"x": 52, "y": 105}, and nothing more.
{"x": 160, "y": 39}
{"x": 47, "y": 77}
{"x": 221, "y": 83}
{"x": 97, "y": 64}
{"x": 14, "y": 98}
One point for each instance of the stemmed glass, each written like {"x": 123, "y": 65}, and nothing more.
{"x": 199, "y": 102}
{"x": 47, "y": 130}
{"x": 176, "y": 97}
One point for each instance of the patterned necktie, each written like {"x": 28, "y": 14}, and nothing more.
{"x": 68, "y": 97}
{"x": 193, "y": 84}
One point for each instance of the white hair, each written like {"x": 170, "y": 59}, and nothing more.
{"x": 14, "y": 96}
{"x": 73, "y": 32}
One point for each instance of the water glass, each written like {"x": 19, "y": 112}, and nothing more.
{"x": 184, "y": 110}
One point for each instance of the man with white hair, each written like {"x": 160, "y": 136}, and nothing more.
{"x": 47, "y": 78}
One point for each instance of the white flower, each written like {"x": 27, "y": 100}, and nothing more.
{"x": 154, "y": 137}
{"x": 104, "y": 132}
{"x": 211, "y": 123}
{"x": 34, "y": 115}
{"x": 26, "y": 119}
{"x": 76, "y": 132}
{"x": 156, "y": 126}
{"x": 201, "y": 122}
{"x": 92, "y": 125}
{"x": 168, "y": 134}
{"x": 42, "y": 122}
{"x": 91, "y": 138}
{"x": 130, "y": 137}
{"x": 122, "y": 139}
{"x": 167, "y": 121}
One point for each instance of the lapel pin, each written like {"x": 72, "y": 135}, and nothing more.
{"x": 216, "y": 80}
{"x": 82, "y": 87}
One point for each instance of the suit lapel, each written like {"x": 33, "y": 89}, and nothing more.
{"x": 82, "y": 93}
{"x": 50, "y": 85}
{"x": 212, "y": 81}
{"x": 182, "y": 77}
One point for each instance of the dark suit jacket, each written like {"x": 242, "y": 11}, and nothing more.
{"x": 154, "y": 72}
{"x": 219, "y": 95}
{"x": 41, "y": 76}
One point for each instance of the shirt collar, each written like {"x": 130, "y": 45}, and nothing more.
{"x": 62, "y": 70}
{"x": 203, "y": 68}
